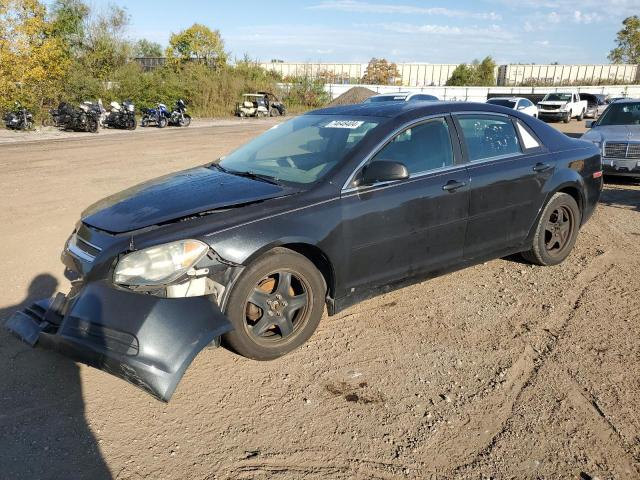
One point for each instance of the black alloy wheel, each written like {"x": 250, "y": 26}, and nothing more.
{"x": 275, "y": 305}
{"x": 556, "y": 231}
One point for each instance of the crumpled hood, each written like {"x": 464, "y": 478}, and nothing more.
{"x": 613, "y": 133}
{"x": 176, "y": 196}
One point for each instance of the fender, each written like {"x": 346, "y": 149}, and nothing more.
{"x": 563, "y": 178}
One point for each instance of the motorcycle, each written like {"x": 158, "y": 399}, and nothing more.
{"x": 179, "y": 117}
{"x": 159, "y": 115}
{"x": 85, "y": 118}
{"x": 19, "y": 119}
{"x": 122, "y": 116}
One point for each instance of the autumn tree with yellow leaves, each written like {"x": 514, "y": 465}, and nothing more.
{"x": 33, "y": 61}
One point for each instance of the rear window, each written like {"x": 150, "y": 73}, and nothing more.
{"x": 386, "y": 98}
{"x": 502, "y": 102}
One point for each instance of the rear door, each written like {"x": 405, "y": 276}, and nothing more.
{"x": 398, "y": 229}
{"x": 508, "y": 167}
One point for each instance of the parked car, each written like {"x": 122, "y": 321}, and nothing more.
{"x": 517, "y": 103}
{"x": 596, "y": 104}
{"x": 562, "y": 106}
{"x": 617, "y": 134}
{"x": 322, "y": 211}
{"x": 401, "y": 97}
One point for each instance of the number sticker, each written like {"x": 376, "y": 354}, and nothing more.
{"x": 350, "y": 124}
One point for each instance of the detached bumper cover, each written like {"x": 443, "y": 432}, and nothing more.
{"x": 147, "y": 341}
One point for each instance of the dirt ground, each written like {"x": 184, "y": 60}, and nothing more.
{"x": 503, "y": 370}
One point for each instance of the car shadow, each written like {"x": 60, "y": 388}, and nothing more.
{"x": 621, "y": 197}
{"x": 43, "y": 431}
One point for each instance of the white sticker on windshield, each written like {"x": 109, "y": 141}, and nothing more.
{"x": 350, "y": 124}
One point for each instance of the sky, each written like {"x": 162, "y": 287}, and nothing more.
{"x": 511, "y": 31}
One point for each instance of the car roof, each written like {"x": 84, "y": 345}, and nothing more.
{"x": 506, "y": 98}
{"x": 395, "y": 109}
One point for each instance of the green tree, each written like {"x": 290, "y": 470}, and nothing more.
{"x": 197, "y": 42}
{"x": 479, "y": 73}
{"x": 463, "y": 75}
{"x": 627, "y": 48}
{"x": 381, "y": 72}
{"x": 485, "y": 73}
{"x": 147, "y": 49}
{"x": 68, "y": 18}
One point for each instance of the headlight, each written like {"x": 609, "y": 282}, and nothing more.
{"x": 159, "y": 265}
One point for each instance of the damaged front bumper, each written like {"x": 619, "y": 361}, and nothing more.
{"x": 146, "y": 340}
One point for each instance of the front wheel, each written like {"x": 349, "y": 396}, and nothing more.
{"x": 92, "y": 125}
{"x": 275, "y": 306}
{"x": 556, "y": 232}
{"x": 185, "y": 121}
{"x": 567, "y": 119}
{"x": 144, "y": 122}
{"x": 162, "y": 122}
{"x": 132, "y": 124}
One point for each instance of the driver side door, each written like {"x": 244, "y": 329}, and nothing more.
{"x": 399, "y": 229}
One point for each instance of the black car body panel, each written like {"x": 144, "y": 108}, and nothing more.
{"x": 360, "y": 238}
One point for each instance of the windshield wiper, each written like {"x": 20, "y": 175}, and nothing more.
{"x": 253, "y": 175}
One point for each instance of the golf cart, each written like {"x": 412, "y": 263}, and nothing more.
{"x": 261, "y": 104}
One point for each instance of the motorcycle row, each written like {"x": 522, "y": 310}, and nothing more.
{"x": 89, "y": 116}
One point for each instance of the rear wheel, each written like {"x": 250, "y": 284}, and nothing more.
{"x": 274, "y": 112}
{"x": 556, "y": 232}
{"x": 275, "y": 306}
{"x": 581, "y": 116}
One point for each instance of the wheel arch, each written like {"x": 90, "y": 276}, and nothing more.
{"x": 570, "y": 186}
{"x": 311, "y": 252}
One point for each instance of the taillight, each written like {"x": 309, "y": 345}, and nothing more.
{"x": 597, "y": 174}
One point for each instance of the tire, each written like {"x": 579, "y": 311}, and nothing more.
{"x": 567, "y": 119}
{"x": 553, "y": 242}
{"x": 92, "y": 125}
{"x": 274, "y": 112}
{"x": 581, "y": 116}
{"x": 162, "y": 122}
{"x": 144, "y": 123}
{"x": 48, "y": 122}
{"x": 185, "y": 121}
{"x": 289, "y": 319}
{"x": 133, "y": 123}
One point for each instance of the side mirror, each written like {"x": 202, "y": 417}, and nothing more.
{"x": 589, "y": 123}
{"x": 383, "y": 171}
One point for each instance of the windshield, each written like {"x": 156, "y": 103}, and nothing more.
{"x": 503, "y": 102}
{"x": 557, "y": 97}
{"x": 621, "y": 114}
{"x": 302, "y": 150}
{"x": 386, "y": 98}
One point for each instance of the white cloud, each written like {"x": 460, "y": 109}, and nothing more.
{"x": 580, "y": 17}
{"x": 388, "y": 9}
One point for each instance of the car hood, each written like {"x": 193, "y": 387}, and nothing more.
{"x": 553, "y": 102}
{"x": 614, "y": 133}
{"x": 176, "y": 196}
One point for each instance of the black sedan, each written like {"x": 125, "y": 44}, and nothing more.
{"x": 323, "y": 210}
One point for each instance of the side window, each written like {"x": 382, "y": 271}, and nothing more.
{"x": 421, "y": 148}
{"x": 489, "y": 136}
{"x": 525, "y": 103}
{"x": 528, "y": 141}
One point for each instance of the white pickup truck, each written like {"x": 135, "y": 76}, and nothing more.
{"x": 562, "y": 106}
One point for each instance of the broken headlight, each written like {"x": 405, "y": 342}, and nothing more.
{"x": 159, "y": 265}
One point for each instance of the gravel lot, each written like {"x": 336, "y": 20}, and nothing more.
{"x": 503, "y": 370}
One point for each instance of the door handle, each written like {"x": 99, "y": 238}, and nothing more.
{"x": 541, "y": 167}
{"x": 453, "y": 185}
